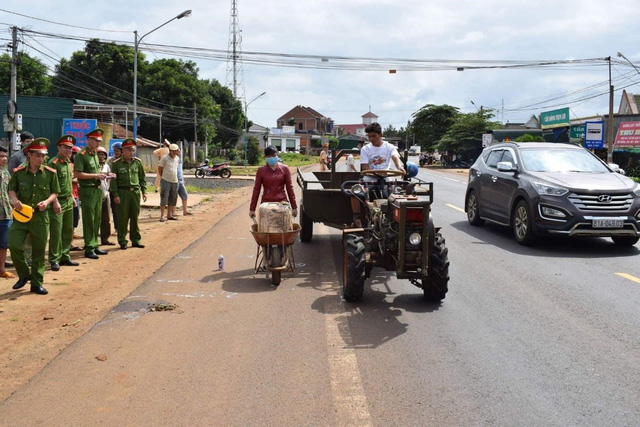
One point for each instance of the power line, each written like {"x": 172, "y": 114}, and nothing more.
{"x": 63, "y": 24}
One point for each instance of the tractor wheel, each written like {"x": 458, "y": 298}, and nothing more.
{"x": 473, "y": 209}
{"x": 435, "y": 285}
{"x": 353, "y": 268}
{"x": 225, "y": 173}
{"x": 306, "y": 226}
{"x": 276, "y": 261}
{"x": 199, "y": 173}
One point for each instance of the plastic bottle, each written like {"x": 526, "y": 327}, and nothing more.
{"x": 221, "y": 262}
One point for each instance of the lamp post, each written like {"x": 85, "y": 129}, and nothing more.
{"x": 246, "y": 126}
{"x": 184, "y": 14}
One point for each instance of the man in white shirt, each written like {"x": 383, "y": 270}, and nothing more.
{"x": 378, "y": 153}
{"x": 168, "y": 170}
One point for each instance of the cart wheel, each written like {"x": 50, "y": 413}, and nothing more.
{"x": 276, "y": 276}
{"x": 276, "y": 261}
{"x": 306, "y": 226}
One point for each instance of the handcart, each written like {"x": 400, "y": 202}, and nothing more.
{"x": 275, "y": 252}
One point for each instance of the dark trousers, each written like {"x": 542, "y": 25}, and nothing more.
{"x": 105, "y": 227}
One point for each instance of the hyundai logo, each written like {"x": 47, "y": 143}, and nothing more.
{"x": 605, "y": 198}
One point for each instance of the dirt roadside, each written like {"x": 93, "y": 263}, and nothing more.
{"x": 35, "y": 328}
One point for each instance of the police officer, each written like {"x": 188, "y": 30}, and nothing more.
{"x": 126, "y": 189}
{"x": 87, "y": 170}
{"x": 35, "y": 185}
{"x": 61, "y": 216}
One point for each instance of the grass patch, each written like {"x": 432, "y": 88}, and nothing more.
{"x": 13, "y": 319}
{"x": 201, "y": 190}
{"x": 293, "y": 162}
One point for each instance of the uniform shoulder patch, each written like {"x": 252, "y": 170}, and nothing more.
{"x": 55, "y": 161}
{"x": 83, "y": 152}
{"x": 117, "y": 160}
{"x": 50, "y": 169}
{"x": 19, "y": 168}
{"x": 138, "y": 159}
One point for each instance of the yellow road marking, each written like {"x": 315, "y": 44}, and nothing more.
{"x": 628, "y": 276}
{"x": 455, "y": 207}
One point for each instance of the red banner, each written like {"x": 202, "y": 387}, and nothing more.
{"x": 628, "y": 135}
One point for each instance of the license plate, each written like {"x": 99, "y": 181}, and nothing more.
{"x": 607, "y": 223}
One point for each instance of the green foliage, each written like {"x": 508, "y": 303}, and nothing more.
{"x": 333, "y": 143}
{"x": 466, "y": 132}
{"x": 529, "y": 138}
{"x": 392, "y": 132}
{"x": 232, "y": 119}
{"x": 254, "y": 153}
{"x": 188, "y": 164}
{"x": 431, "y": 123}
{"x": 200, "y": 156}
{"x": 32, "y": 76}
{"x": 296, "y": 159}
{"x": 633, "y": 170}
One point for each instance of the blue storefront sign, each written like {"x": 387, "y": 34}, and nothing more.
{"x": 79, "y": 128}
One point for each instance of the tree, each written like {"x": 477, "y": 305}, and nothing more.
{"x": 32, "y": 78}
{"x": 466, "y": 132}
{"x": 231, "y": 124}
{"x": 431, "y": 122}
{"x": 529, "y": 138}
{"x": 390, "y": 131}
{"x": 102, "y": 72}
{"x": 254, "y": 154}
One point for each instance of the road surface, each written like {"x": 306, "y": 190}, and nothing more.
{"x": 548, "y": 336}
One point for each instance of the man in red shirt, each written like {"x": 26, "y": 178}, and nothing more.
{"x": 274, "y": 177}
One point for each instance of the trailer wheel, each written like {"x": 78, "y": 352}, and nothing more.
{"x": 435, "y": 285}
{"x": 353, "y": 268}
{"x": 306, "y": 226}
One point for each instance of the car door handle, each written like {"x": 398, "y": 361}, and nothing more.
{"x": 494, "y": 178}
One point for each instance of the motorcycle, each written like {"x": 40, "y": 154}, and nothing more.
{"x": 217, "y": 169}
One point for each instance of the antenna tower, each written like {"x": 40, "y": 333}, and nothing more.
{"x": 235, "y": 73}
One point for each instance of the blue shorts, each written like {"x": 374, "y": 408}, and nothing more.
{"x": 4, "y": 233}
{"x": 182, "y": 191}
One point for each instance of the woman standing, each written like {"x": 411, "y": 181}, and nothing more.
{"x": 274, "y": 177}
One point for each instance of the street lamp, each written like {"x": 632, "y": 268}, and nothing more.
{"x": 246, "y": 126}
{"x": 620, "y": 55}
{"x": 184, "y": 14}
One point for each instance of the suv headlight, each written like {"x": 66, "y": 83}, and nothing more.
{"x": 636, "y": 190}
{"x": 548, "y": 189}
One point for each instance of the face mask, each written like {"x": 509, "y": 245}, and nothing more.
{"x": 271, "y": 161}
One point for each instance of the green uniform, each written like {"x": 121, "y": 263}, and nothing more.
{"x": 61, "y": 225}
{"x": 90, "y": 198}
{"x": 31, "y": 189}
{"x": 128, "y": 184}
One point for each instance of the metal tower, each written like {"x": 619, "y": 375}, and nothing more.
{"x": 235, "y": 73}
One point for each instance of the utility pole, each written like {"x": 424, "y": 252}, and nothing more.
{"x": 610, "y": 122}
{"x": 195, "y": 123}
{"x": 14, "y": 80}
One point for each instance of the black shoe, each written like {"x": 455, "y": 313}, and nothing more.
{"x": 91, "y": 255}
{"x": 123, "y": 247}
{"x": 70, "y": 263}
{"x": 55, "y": 266}
{"x": 21, "y": 282}
{"x": 137, "y": 245}
{"x": 39, "y": 290}
{"x": 8, "y": 265}
{"x": 100, "y": 252}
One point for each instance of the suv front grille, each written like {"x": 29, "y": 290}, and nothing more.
{"x": 616, "y": 203}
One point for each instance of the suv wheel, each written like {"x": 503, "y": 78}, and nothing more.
{"x": 522, "y": 223}
{"x": 473, "y": 209}
{"x": 625, "y": 240}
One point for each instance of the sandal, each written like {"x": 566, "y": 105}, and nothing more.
{"x": 173, "y": 218}
{"x": 161, "y": 219}
{"x": 8, "y": 275}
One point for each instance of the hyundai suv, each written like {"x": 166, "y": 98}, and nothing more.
{"x": 552, "y": 189}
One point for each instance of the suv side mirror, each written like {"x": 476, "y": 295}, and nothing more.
{"x": 506, "y": 167}
{"x": 616, "y": 168}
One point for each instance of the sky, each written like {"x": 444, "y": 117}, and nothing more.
{"x": 458, "y": 30}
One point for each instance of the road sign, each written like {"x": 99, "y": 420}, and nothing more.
{"x": 594, "y": 134}
{"x": 554, "y": 118}
{"x": 628, "y": 135}
{"x": 79, "y": 128}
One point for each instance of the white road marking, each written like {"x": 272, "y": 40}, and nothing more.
{"x": 349, "y": 399}
{"x": 444, "y": 177}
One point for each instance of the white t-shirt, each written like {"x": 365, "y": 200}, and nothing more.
{"x": 169, "y": 168}
{"x": 378, "y": 157}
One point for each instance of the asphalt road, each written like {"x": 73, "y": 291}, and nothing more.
{"x": 548, "y": 335}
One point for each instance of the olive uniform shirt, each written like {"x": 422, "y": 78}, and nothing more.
{"x": 31, "y": 188}
{"x": 129, "y": 176}
{"x": 87, "y": 161}
{"x": 65, "y": 175}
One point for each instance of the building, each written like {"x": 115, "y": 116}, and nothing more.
{"x": 358, "y": 128}
{"x": 284, "y": 139}
{"x": 306, "y": 120}
{"x": 629, "y": 103}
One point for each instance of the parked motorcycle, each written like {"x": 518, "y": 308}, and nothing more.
{"x": 217, "y": 169}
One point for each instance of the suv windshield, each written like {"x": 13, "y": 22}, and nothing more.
{"x": 561, "y": 160}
